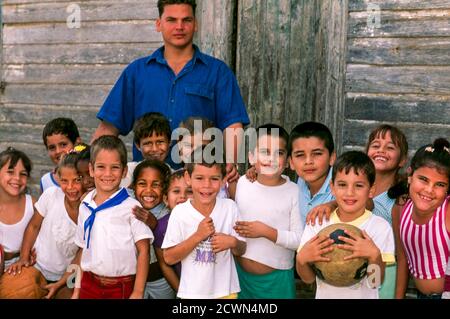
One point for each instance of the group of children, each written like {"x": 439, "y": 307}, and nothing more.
{"x": 146, "y": 230}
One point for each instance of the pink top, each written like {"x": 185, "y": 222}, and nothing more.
{"x": 427, "y": 246}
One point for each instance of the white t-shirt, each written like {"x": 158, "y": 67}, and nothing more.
{"x": 48, "y": 181}
{"x": 277, "y": 207}
{"x": 204, "y": 274}
{"x": 11, "y": 236}
{"x": 380, "y": 231}
{"x": 55, "y": 243}
{"x": 112, "y": 251}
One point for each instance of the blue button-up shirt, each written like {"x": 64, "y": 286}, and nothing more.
{"x": 307, "y": 202}
{"x": 205, "y": 87}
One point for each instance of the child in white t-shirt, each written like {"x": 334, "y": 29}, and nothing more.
{"x": 200, "y": 234}
{"x": 16, "y": 207}
{"x": 352, "y": 184}
{"x": 52, "y": 228}
{"x": 270, "y": 220}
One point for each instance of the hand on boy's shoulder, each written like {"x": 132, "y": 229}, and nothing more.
{"x": 145, "y": 216}
{"x": 251, "y": 174}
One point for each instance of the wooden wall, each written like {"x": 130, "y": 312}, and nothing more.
{"x": 291, "y": 60}
{"x": 399, "y": 72}
{"x": 50, "y": 70}
{"x": 295, "y": 60}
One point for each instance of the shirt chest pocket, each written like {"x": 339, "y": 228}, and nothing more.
{"x": 199, "y": 101}
{"x": 118, "y": 234}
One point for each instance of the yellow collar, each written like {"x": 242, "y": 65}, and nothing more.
{"x": 357, "y": 222}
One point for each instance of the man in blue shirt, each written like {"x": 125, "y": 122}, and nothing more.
{"x": 177, "y": 80}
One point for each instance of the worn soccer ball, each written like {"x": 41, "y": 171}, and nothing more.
{"x": 26, "y": 285}
{"x": 2, "y": 260}
{"x": 339, "y": 272}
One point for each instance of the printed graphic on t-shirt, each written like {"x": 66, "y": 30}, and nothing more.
{"x": 204, "y": 253}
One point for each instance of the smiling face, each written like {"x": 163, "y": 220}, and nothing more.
{"x": 179, "y": 192}
{"x": 428, "y": 189}
{"x": 107, "y": 171}
{"x": 270, "y": 156}
{"x": 385, "y": 154}
{"x": 13, "y": 181}
{"x": 57, "y": 145}
{"x": 83, "y": 170}
{"x": 206, "y": 183}
{"x": 149, "y": 188}
{"x": 71, "y": 183}
{"x": 154, "y": 147}
{"x": 177, "y": 25}
{"x": 351, "y": 192}
{"x": 311, "y": 160}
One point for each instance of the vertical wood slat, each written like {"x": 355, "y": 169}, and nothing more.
{"x": 330, "y": 102}
{"x": 291, "y": 61}
{"x": 216, "y": 34}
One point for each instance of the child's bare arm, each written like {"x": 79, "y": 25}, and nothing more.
{"x": 221, "y": 242}
{"x": 77, "y": 261}
{"x": 402, "y": 265}
{"x": 232, "y": 190}
{"x": 29, "y": 238}
{"x": 55, "y": 287}
{"x": 320, "y": 211}
{"x": 168, "y": 272}
{"x": 256, "y": 229}
{"x": 312, "y": 252}
{"x": 177, "y": 253}
{"x": 143, "y": 260}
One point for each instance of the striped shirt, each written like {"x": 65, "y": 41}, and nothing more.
{"x": 426, "y": 246}
{"x": 383, "y": 206}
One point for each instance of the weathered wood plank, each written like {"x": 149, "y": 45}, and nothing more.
{"x": 61, "y": 74}
{"x": 302, "y": 63}
{"x": 216, "y": 34}
{"x": 398, "y": 79}
{"x": 361, "y": 5}
{"x": 331, "y": 70}
{"x": 39, "y": 114}
{"x": 423, "y": 23}
{"x": 276, "y": 72}
{"x": 405, "y": 51}
{"x": 91, "y": 32}
{"x": 29, "y": 133}
{"x": 89, "y": 11}
{"x": 401, "y": 108}
{"x": 356, "y": 133}
{"x": 104, "y": 53}
{"x": 81, "y": 95}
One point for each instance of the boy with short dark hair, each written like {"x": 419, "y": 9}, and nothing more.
{"x": 270, "y": 220}
{"x": 352, "y": 183}
{"x": 152, "y": 138}
{"x": 115, "y": 245}
{"x": 200, "y": 234}
{"x": 312, "y": 155}
{"x": 60, "y": 135}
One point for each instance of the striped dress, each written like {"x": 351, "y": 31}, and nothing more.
{"x": 426, "y": 246}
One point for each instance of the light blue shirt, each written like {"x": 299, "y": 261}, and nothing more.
{"x": 307, "y": 202}
{"x": 383, "y": 206}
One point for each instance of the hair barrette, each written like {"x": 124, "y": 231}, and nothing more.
{"x": 429, "y": 149}
{"x": 79, "y": 148}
